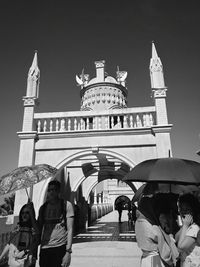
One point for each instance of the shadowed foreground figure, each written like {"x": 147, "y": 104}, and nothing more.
{"x": 186, "y": 237}
{"x": 158, "y": 249}
{"x": 21, "y": 249}
{"x": 56, "y": 218}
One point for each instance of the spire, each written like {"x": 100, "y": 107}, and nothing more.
{"x": 154, "y": 52}
{"x": 156, "y": 70}
{"x": 33, "y": 78}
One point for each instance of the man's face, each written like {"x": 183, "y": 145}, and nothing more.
{"x": 52, "y": 192}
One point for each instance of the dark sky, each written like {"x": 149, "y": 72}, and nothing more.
{"x": 70, "y": 35}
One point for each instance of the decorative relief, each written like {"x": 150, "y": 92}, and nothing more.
{"x": 100, "y": 64}
{"x": 29, "y": 101}
{"x": 160, "y": 92}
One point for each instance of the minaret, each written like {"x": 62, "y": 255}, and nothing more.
{"x": 33, "y": 79}
{"x": 28, "y": 135}
{"x": 32, "y": 94}
{"x": 158, "y": 87}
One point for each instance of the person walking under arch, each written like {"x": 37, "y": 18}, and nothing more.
{"x": 119, "y": 208}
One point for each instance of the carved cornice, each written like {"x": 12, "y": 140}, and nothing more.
{"x": 159, "y": 92}
{"x": 28, "y": 135}
{"x": 30, "y": 101}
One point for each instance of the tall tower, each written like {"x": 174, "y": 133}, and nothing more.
{"x": 159, "y": 94}
{"x": 103, "y": 92}
{"x": 28, "y": 135}
{"x": 32, "y": 94}
{"x": 158, "y": 87}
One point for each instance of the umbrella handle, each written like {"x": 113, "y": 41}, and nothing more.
{"x": 27, "y": 194}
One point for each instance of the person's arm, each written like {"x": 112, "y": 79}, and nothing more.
{"x": 70, "y": 223}
{"x": 5, "y": 251}
{"x": 184, "y": 241}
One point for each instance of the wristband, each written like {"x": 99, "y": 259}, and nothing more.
{"x": 69, "y": 250}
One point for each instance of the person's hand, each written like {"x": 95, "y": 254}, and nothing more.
{"x": 66, "y": 260}
{"x": 187, "y": 220}
{"x": 32, "y": 259}
{"x": 20, "y": 254}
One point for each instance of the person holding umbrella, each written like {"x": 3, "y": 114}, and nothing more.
{"x": 186, "y": 237}
{"x": 157, "y": 247}
{"x": 21, "y": 249}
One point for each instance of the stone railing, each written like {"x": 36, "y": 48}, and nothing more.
{"x": 128, "y": 118}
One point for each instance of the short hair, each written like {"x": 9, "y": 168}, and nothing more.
{"x": 55, "y": 183}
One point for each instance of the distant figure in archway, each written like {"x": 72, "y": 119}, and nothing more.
{"x": 119, "y": 208}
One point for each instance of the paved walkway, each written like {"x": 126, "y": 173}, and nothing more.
{"x": 107, "y": 243}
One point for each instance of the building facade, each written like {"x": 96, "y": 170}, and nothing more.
{"x": 94, "y": 148}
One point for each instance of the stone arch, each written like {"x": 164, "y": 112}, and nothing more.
{"x": 85, "y": 153}
{"x": 95, "y": 150}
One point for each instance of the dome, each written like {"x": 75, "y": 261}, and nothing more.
{"x": 110, "y": 79}
{"x": 92, "y": 81}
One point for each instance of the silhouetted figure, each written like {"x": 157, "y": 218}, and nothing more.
{"x": 119, "y": 208}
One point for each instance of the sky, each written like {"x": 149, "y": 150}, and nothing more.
{"x": 71, "y": 35}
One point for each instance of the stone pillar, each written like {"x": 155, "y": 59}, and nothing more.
{"x": 95, "y": 196}
{"x": 100, "y": 70}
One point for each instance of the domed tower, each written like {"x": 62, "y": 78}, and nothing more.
{"x": 103, "y": 92}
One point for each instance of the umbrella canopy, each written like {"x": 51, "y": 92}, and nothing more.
{"x": 150, "y": 189}
{"x": 24, "y": 177}
{"x": 166, "y": 170}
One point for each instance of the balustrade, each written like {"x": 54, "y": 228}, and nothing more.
{"x": 87, "y": 121}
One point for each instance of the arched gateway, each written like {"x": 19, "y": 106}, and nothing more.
{"x": 99, "y": 144}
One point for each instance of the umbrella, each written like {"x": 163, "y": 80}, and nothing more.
{"x": 166, "y": 170}
{"x": 150, "y": 189}
{"x": 24, "y": 177}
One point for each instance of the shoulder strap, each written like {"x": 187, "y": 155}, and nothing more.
{"x": 64, "y": 211}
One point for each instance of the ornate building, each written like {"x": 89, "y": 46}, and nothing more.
{"x": 99, "y": 144}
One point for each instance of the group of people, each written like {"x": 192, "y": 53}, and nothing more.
{"x": 163, "y": 240}
{"x": 52, "y": 231}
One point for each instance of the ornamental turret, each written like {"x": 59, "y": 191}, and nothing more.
{"x": 103, "y": 92}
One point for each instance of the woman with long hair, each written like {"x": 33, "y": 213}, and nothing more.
{"x": 186, "y": 237}
{"x": 21, "y": 249}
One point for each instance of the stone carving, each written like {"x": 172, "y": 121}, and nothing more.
{"x": 83, "y": 79}
{"x": 29, "y": 101}
{"x": 160, "y": 92}
{"x": 121, "y": 76}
